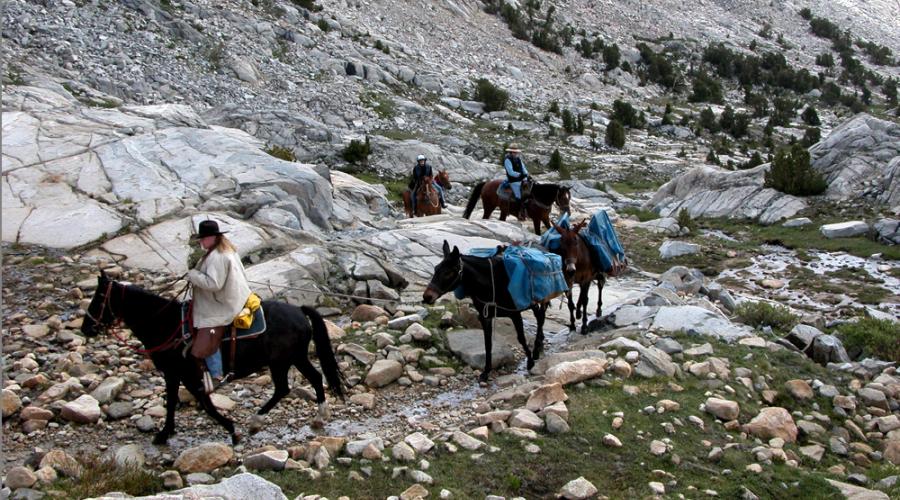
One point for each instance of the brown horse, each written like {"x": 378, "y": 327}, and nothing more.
{"x": 578, "y": 267}
{"x": 427, "y": 198}
{"x": 543, "y": 196}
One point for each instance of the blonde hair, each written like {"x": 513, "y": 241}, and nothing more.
{"x": 223, "y": 244}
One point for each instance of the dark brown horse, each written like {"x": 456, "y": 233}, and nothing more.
{"x": 578, "y": 267}
{"x": 543, "y": 196}
{"x": 427, "y": 197}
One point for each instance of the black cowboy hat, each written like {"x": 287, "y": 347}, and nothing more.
{"x": 207, "y": 228}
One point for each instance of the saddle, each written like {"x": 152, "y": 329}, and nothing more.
{"x": 204, "y": 342}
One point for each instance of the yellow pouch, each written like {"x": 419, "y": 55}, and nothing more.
{"x": 245, "y": 318}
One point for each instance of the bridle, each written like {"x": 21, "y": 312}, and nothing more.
{"x": 114, "y": 327}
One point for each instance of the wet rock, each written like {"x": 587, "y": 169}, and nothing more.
{"x": 383, "y": 372}
{"x": 723, "y": 408}
{"x": 844, "y": 229}
{"x": 578, "y": 489}
{"x": 84, "y": 410}
{"x": 204, "y": 458}
{"x": 773, "y": 422}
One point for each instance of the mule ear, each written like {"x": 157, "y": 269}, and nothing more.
{"x": 446, "y": 248}
{"x": 103, "y": 276}
{"x": 455, "y": 253}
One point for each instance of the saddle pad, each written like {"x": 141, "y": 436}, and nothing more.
{"x": 534, "y": 275}
{"x": 504, "y": 192}
{"x": 258, "y": 327}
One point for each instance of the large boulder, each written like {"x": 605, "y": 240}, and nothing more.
{"x": 862, "y": 155}
{"x": 572, "y": 372}
{"x": 468, "y": 345}
{"x": 844, "y": 229}
{"x": 204, "y": 458}
{"x": 773, "y": 422}
{"x": 888, "y": 231}
{"x": 673, "y": 248}
{"x": 237, "y": 487}
{"x": 708, "y": 191}
{"x": 697, "y": 320}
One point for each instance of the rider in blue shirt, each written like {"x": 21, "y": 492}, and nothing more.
{"x": 515, "y": 172}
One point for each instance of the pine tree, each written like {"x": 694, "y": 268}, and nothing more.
{"x": 615, "y": 134}
{"x": 791, "y": 173}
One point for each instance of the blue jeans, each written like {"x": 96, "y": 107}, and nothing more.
{"x": 516, "y": 189}
{"x": 214, "y": 364}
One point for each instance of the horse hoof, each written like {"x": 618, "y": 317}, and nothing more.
{"x": 318, "y": 423}
{"x": 483, "y": 378}
{"x": 235, "y": 438}
{"x": 530, "y": 363}
{"x": 160, "y": 439}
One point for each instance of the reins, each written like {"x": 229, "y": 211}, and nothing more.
{"x": 114, "y": 328}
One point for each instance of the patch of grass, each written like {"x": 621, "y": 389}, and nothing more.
{"x": 805, "y": 237}
{"x": 636, "y": 185}
{"x": 14, "y": 75}
{"x": 399, "y": 135}
{"x": 641, "y": 214}
{"x": 642, "y": 248}
{"x": 874, "y": 337}
{"x": 383, "y": 105}
{"x": 281, "y": 153}
{"x": 761, "y": 314}
{"x": 103, "y": 476}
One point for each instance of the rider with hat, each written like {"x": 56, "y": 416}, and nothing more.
{"x": 516, "y": 173}
{"x": 220, "y": 288}
{"x": 421, "y": 170}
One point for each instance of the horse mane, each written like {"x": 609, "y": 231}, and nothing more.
{"x": 146, "y": 295}
{"x": 545, "y": 193}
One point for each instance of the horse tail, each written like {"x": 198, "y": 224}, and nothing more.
{"x": 325, "y": 353}
{"x": 473, "y": 199}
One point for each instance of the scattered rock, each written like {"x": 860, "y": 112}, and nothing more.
{"x": 204, "y": 458}
{"x": 383, "y": 372}
{"x": 578, "y": 489}
{"x": 773, "y": 422}
{"x": 673, "y": 248}
{"x": 10, "y": 403}
{"x": 20, "y": 477}
{"x": 267, "y": 460}
{"x": 84, "y": 410}
{"x": 723, "y": 408}
{"x": 844, "y": 229}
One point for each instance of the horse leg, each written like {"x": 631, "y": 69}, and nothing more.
{"x": 571, "y": 305}
{"x": 601, "y": 282}
{"x": 582, "y": 305}
{"x": 537, "y": 225}
{"x": 540, "y": 313}
{"x": 203, "y": 399}
{"x": 315, "y": 378}
{"x": 488, "y": 332}
{"x": 520, "y": 335}
{"x": 279, "y": 374}
{"x": 172, "y": 383}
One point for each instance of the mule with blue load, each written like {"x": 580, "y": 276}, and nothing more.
{"x": 590, "y": 252}
{"x": 502, "y": 282}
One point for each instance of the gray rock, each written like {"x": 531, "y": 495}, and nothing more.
{"x": 665, "y": 225}
{"x": 578, "y": 489}
{"x": 108, "y": 389}
{"x": 844, "y": 229}
{"x": 383, "y": 372}
{"x": 798, "y": 222}
{"x": 145, "y": 424}
{"x": 236, "y": 487}
{"x": 267, "y": 460}
{"x": 888, "y": 231}
{"x": 685, "y": 280}
{"x": 84, "y": 410}
{"x": 196, "y": 478}
{"x": 654, "y": 362}
{"x": 668, "y": 345}
{"x": 129, "y": 455}
{"x": 707, "y": 191}
{"x": 468, "y": 345}
{"x": 671, "y": 248}
{"x": 119, "y": 410}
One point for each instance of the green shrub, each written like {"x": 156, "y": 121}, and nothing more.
{"x": 685, "y": 220}
{"x": 811, "y": 136}
{"x": 708, "y": 120}
{"x": 625, "y": 114}
{"x": 615, "y": 134}
{"x": 556, "y": 162}
{"x": 357, "y": 152}
{"x": 281, "y": 153}
{"x": 762, "y": 314}
{"x": 874, "y": 337}
{"x": 554, "y": 108}
{"x": 805, "y": 13}
{"x": 611, "y": 56}
{"x": 810, "y": 116}
{"x": 706, "y": 89}
{"x": 791, "y": 173}
{"x": 825, "y": 59}
{"x": 568, "y": 120}
{"x": 493, "y": 97}
{"x": 323, "y": 25}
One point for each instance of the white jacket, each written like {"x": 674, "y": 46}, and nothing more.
{"x": 220, "y": 289}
